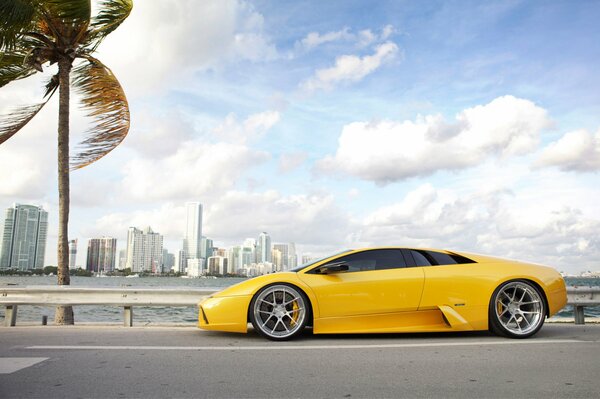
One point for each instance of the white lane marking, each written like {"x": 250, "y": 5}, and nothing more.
{"x": 304, "y": 347}
{"x": 9, "y": 365}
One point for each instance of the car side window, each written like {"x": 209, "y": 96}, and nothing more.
{"x": 433, "y": 258}
{"x": 441, "y": 258}
{"x": 420, "y": 258}
{"x": 378, "y": 259}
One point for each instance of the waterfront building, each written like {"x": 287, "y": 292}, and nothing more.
{"x": 73, "y": 254}
{"x": 234, "y": 259}
{"x": 168, "y": 261}
{"x": 220, "y": 252}
{"x": 24, "y": 234}
{"x": 263, "y": 248}
{"x": 206, "y": 247}
{"x": 195, "y": 267}
{"x": 122, "y": 259}
{"x": 101, "y": 254}
{"x": 289, "y": 259}
{"x": 277, "y": 256}
{"x": 250, "y": 246}
{"x": 292, "y": 258}
{"x": 192, "y": 241}
{"x": 180, "y": 261}
{"x": 144, "y": 250}
{"x": 217, "y": 265}
{"x": 306, "y": 258}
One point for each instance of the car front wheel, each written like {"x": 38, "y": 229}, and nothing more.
{"x": 517, "y": 309}
{"x": 279, "y": 312}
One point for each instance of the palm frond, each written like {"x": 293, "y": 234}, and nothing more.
{"x": 13, "y": 122}
{"x": 112, "y": 14}
{"x": 16, "y": 17}
{"x": 105, "y": 101}
{"x": 72, "y": 10}
{"x": 14, "y": 67}
{"x": 69, "y": 20}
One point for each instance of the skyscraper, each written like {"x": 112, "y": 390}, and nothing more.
{"x": 289, "y": 260}
{"x": 263, "y": 248}
{"x": 192, "y": 242}
{"x": 73, "y": 254}
{"x": 206, "y": 246}
{"x": 101, "y": 254}
{"x": 144, "y": 250}
{"x": 24, "y": 237}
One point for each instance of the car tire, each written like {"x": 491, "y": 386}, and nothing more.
{"x": 279, "y": 312}
{"x": 517, "y": 309}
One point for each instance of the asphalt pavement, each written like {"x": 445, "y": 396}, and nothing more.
{"x": 562, "y": 361}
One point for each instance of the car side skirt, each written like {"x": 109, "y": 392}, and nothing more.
{"x": 444, "y": 318}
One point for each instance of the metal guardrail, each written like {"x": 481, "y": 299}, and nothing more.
{"x": 11, "y": 298}
{"x": 127, "y": 298}
{"x": 581, "y": 297}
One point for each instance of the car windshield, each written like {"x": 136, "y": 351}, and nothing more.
{"x": 312, "y": 262}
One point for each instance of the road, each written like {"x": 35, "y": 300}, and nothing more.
{"x": 183, "y": 362}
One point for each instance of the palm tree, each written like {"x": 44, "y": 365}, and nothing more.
{"x": 37, "y": 33}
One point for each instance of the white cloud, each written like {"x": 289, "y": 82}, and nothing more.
{"x": 387, "y": 31}
{"x": 496, "y": 223}
{"x": 363, "y": 38}
{"x": 388, "y": 151}
{"x": 196, "y": 170}
{"x": 28, "y": 159}
{"x": 253, "y": 127}
{"x": 165, "y": 41}
{"x": 168, "y": 220}
{"x": 315, "y": 39}
{"x": 366, "y": 37}
{"x": 158, "y": 135}
{"x": 351, "y": 68}
{"x": 577, "y": 151}
{"x": 292, "y": 160}
{"x": 314, "y": 220}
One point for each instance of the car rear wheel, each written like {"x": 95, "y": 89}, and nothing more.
{"x": 279, "y": 312}
{"x": 517, "y": 309}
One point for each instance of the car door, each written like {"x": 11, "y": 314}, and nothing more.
{"x": 377, "y": 281}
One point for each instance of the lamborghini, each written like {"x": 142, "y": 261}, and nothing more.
{"x": 391, "y": 290}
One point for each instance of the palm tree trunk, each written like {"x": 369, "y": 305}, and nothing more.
{"x": 64, "y": 314}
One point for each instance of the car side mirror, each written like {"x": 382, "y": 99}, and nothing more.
{"x": 333, "y": 268}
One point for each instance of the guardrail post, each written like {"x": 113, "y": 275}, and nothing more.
{"x": 128, "y": 316}
{"x": 579, "y": 316}
{"x": 10, "y": 316}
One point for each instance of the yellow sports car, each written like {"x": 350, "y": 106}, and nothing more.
{"x": 391, "y": 290}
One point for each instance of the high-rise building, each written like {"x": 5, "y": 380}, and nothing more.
{"x": 144, "y": 250}
{"x": 195, "y": 267}
{"x": 206, "y": 247}
{"x": 192, "y": 242}
{"x": 234, "y": 259}
{"x": 292, "y": 257}
{"x": 101, "y": 254}
{"x": 263, "y": 248}
{"x": 168, "y": 261}
{"x": 217, "y": 265}
{"x": 289, "y": 260}
{"x": 24, "y": 233}
{"x": 73, "y": 254}
{"x": 122, "y": 259}
{"x": 180, "y": 261}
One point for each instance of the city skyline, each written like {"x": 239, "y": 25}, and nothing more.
{"x": 469, "y": 126}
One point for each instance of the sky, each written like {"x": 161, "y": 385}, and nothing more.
{"x": 461, "y": 125}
